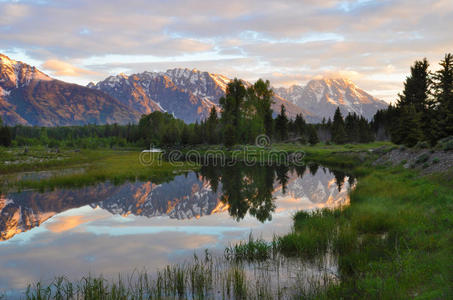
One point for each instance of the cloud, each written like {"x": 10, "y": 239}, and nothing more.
{"x": 61, "y": 68}
{"x": 299, "y": 38}
{"x": 11, "y": 13}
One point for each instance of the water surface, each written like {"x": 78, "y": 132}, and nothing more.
{"x": 109, "y": 229}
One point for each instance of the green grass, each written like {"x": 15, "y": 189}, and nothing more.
{"x": 393, "y": 242}
{"x": 40, "y": 158}
{"x": 202, "y": 278}
{"x": 114, "y": 166}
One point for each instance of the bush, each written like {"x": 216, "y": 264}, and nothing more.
{"x": 422, "y": 145}
{"x": 445, "y": 144}
{"x": 422, "y": 158}
{"x": 435, "y": 160}
{"x": 302, "y": 140}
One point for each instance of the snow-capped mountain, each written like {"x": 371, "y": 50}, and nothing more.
{"x": 187, "y": 94}
{"x": 30, "y": 97}
{"x": 322, "y": 96}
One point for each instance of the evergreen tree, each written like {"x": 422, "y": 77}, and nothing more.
{"x": 416, "y": 87}
{"x": 5, "y": 136}
{"x": 212, "y": 126}
{"x": 365, "y": 132}
{"x": 281, "y": 125}
{"x": 443, "y": 92}
{"x": 268, "y": 124}
{"x": 185, "y": 135}
{"x": 416, "y": 95}
{"x": 299, "y": 124}
{"x": 352, "y": 127}
{"x": 338, "y": 131}
{"x": 408, "y": 130}
{"x": 229, "y": 135}
{"x": 312, "y": 135}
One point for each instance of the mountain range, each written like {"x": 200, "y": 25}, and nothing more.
{"x": 30, "y": 97}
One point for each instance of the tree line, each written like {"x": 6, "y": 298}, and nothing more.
{"x": 245, "y": 113}
{"x": 423, "y": 112}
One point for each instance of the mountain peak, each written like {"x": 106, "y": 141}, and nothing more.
{"x": 5, "y": 60}
{"x": 322, "y": 96}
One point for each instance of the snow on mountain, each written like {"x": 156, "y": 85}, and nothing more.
{"x": 322, "y": 96}
{"x": 187, "y": 94}
{"x": 290, "y": 94}
{"x": 30, "y": 97}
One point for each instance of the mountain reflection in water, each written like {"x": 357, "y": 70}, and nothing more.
{"x": 113, "y": 229}
{"x": 237, "y": 189}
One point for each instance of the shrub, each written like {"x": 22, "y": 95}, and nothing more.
{"x": 422, "y": 158}
{"x": 435, "y": 160}
{"x": 445, "y": 144}
{"x": 421, "y": 145}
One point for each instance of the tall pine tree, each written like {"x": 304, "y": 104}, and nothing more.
{"x": 281, "y": 125}
{"x": 338, "y": 131}
{"x": 443, "y": 92}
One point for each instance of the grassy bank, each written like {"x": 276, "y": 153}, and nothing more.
{"x": 393, "y": 242}
{"x": 103, "y": 165}
{"x": 121, "y": 165}
{"x": 40, "y": 158}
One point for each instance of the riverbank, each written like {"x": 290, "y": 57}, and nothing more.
{"x": 394, "y": 241}
{"x": 93, "y": 166}
{"x": 121, "y": 165}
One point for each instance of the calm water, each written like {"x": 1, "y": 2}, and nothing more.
{"x": 108, "y": 229}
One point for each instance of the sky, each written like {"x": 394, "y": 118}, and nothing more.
{"x": 288, "y": 42}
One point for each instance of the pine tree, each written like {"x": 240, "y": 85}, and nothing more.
{"x": 408, "y": 130}
{"x": 416, "y": 87}
{"x": 185, "y": 135}
{"x": 443, "y": 92}
{"x": 229, "y": 135}
{"x": 416, "y": 95}
{"x": 312, "y": 135}
{"x": 5, "y": 136}
{"x": 338, "y": 131}
{"x": 300, "y": 124}
{"x": 281, "y": 124}
{"x": 212, "y": 126}
{"x": 352, "y": 127}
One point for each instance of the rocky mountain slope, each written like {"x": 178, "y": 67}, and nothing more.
{"x": 187, "y": 94}
{"x": 29, "y": 97}
{"x": 322, "y": 96}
